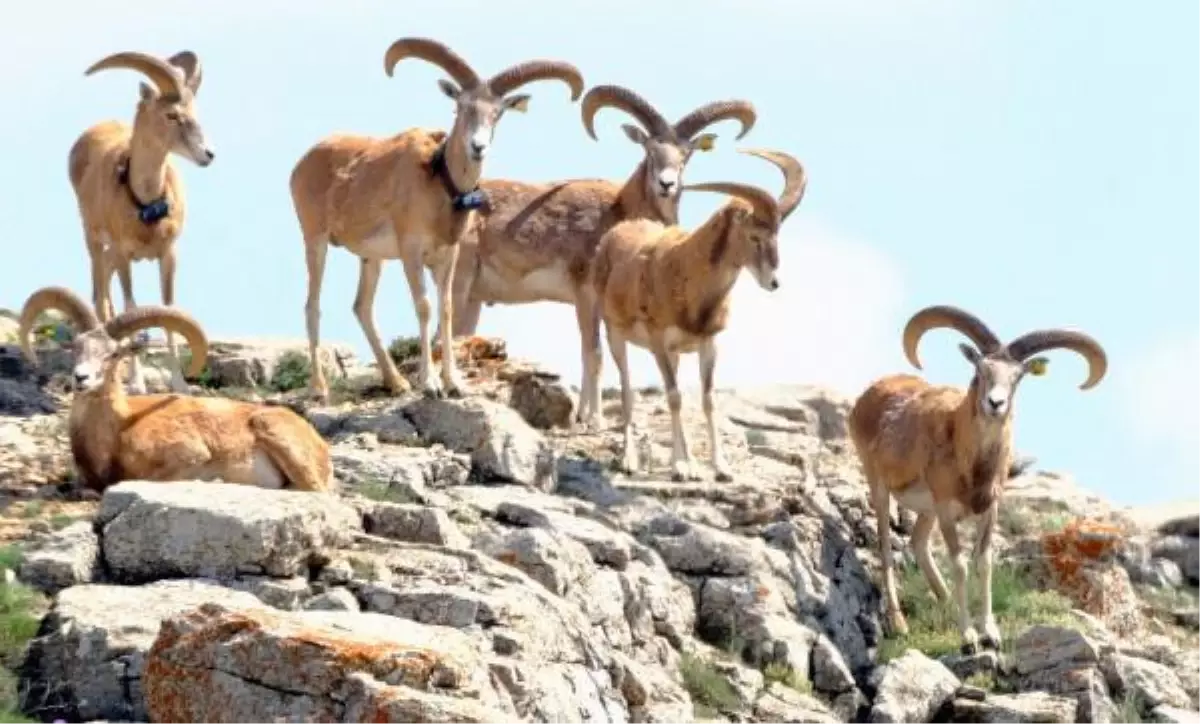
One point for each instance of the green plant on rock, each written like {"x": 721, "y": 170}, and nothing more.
{"x": 711, "y": 692}
{"x": 404, "y": 348}
{"x": 292, "y": 371}
{"x": 18, "y": 625}
{"x": 1017, "y": 603}
{"x": 206, "y": 378}
{"x": 786, "y": 675}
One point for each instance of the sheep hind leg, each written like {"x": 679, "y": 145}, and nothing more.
{"x": 299, "y": 455}
{"x": 587, "y": 315}
{"x": 681, "y": 455}
{"x": 414, "y": 270}
{"x": 921, "y": 533}
{"x": 708, "y": 364}
{"x": 958, "y": 565}
{"x": 364, "y": 310}
{"x": 881, "y": 502}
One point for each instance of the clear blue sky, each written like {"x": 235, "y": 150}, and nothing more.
{"x": 1033, "y": 162}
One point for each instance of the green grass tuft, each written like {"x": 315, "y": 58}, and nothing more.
{"x": 711, "y": 691}
{"x": 292, "y": 371}
{"x": 404, "y": 348}
{"x": 786, "y": 675}
{"x": 18, "y": 625}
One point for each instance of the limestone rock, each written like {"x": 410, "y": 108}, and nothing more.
{"x": 911, "y": 688}
{"x": 69, "y": 557}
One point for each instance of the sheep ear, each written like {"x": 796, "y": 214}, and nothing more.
{"x": 452, "y": 91}
{"x": 1037, "y": 366}
{"x": 519, "y": 103}
{"x": 148, "y": 92}
{"x": 969, "y": 352}
{"x": 705, "y": 142}
{"x": 633, "y": 133}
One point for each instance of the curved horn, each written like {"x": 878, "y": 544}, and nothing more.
{"x": 945, "y": 316}
{"x": 189, "y": 63}
{"x": 518, "y": 75}
{"x": 168, "y": 318}
{"x": 1041, "y": 340}
{"x": 626, "y": 100}
{"x": 168, "y": 78}
{"x": 434, "y": 52}
{"x": 710, "y": 113}
{"x": 794, "y": 178}
{"x": 59, "y": 298}
{"x": 763, "y": 202}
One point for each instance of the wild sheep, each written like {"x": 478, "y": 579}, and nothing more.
{"x": 667, "y": 290}
{"x": 116, "y": 437}
{"x": 945, "y": 452}
{"x": 131, "y": 198}
{"x": 407, "y": 197}
{"x": 538, "y": 240}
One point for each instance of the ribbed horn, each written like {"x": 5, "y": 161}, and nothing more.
{"x": 166, "y": 77}
{"x": 431, "y": 51}
{"x": 518, "y": 75}
{"x": 763, "y": 202}
{"x": 82, "y": 317}
{"x": 622, "y": 98}
{"x": 168, "y": 318}
{"x": 794, "y": 178}
{"x": 711, "y": 113}
{"x": 946, "y": 316}
{"x": 189, "y": 63}
{"x": 1027, "y": 345}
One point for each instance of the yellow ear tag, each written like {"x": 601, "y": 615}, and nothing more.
{"x": 706, "y": 143}
{"x": 1037, "y": 368}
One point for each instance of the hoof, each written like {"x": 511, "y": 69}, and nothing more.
{"x": 677, "y": 477}
{"x": 969, "y": 649}
{"x": 990, "y": 643}
{"x": 724, "y": 477}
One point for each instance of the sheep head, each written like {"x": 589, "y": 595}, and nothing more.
{"x": 98, "y": 346}
{"x": 999, "y": 368}
{"x": 753, "y": 217}
{"x": 480, "y": 104}
{"x": 667, "y": 147}
{"x": 166, "y": 112}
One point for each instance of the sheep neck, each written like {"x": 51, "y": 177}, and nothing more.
{"x": 982, "y": 449}
{"x": 635, "y": 200}
{"x": 147, "y": 170}
{"x": 97, "y": 419}
{"x": 707, "y": 293}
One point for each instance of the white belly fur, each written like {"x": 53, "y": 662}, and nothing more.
{"x": 266, "y": 475}
{"x": 551, "y": 283}
{"x": 675, "y": 339}
{"x": 919, "y": 499}
{"x": 381, "y": 244}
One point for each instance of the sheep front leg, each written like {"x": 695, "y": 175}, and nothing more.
{"x": 681, "y": 456}
{"x": 443, "y": 279}
{"x": 364, "y": 309}
{"x": 166, "y": 280}
{"x": 588, "y": 317}
{"x": 958, "y": 565}
{"x": 708, "y": 365}
{"x": 414, "y": 269}
{"x": 921, "y": 532}
{"x": 983, "y": 564}
{"x": 101, "y": 278}
{"x": 881, "y": 502}
{"x": 616, "y": 346}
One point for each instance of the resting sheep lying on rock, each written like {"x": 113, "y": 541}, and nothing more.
{"x": 116, "y": 437}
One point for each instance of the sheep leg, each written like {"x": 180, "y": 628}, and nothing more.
{"x": 983, "y": 564}
{"x": 101, "y": 279}
{"x": 414, "y": 270}
{"x": 616, "y": 346}
{"x": 681, "y": 456}
{"x": 881, "y": 502}
{"x": 466, "y": 307}
{"x": 315, "y": 250}
{"x": 166, "y": 279}
{"x": 958, "y": 566}
{"x": 920, "y": 543}
{"x": 364, "y": 310}
{"x": 708, "y": 366}
{"x": 124, "y": 269}
{"x": 443, "y": 279}
{"x": 588, "y": 317}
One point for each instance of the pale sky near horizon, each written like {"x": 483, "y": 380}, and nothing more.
{"x": 1033, "y": 162}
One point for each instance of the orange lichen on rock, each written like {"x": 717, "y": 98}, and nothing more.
{"x": 1080, "y": 564}
{"x": 206, "y": 662}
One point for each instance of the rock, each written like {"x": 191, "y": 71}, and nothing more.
{"x": 559, "y": 564}
{"x": 88, "y": 658}
{"x": 1185, "y": 525}
{"x": 965, "y": 666}
{"x": 1034, "y": 706}
{"x": 829, "y": 672}
{"x": 1174, "y": 715}
{"x": 415, "y": 523}
{"x": 911, "y": 688}
{"x": 1045, "y": 647}
{"x": 337, "y": 599}
{"x": 281, "y": 593}
{"x": 1153, "y": 683}
{"x": 68, "y": 557}
{"x": 542, "y": 399}
{"x": 503, "y": 447}
{"x": 1063, "y": 662}
{"x": 234, "y": 363}
{"x": 407, "y": 472}
{"x": 1184, "y": 551}
{"x": 215, "y": 663}
{"x": 652, "y": 695}
{"x": 780, "y": 703}
{"x": 203, "y": 529}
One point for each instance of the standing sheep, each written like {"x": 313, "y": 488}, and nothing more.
{"x": 538, "y": 240}
{"x": 131, "y": 198}
{"x": 408, "y": 197}
{"x": 666, "y": 289}
{"x": 945, "y": 452}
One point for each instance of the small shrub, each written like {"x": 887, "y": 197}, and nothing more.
{"x": 58, "y": 521}
{"x": 292, "y": 371}
{"x": 786, "y": 675}
{"x": 982, "y": 679}
{"x": 756, "y": 437}
{"x": 206, "y": 377}
{"x": 404, "y": 348}
{"x": 710, "y": 690}
{"x": 18, "y": 625}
